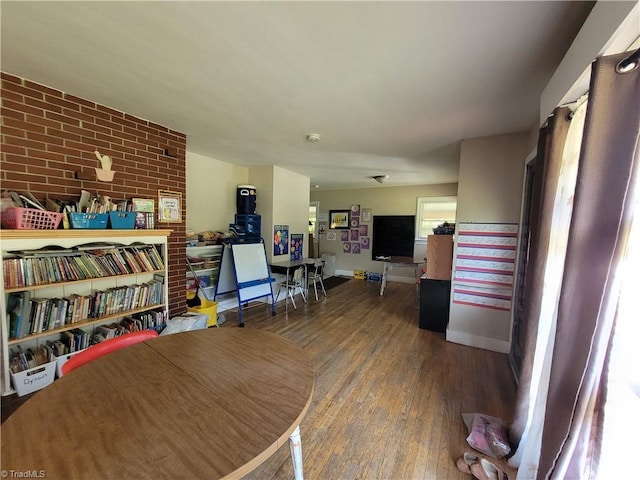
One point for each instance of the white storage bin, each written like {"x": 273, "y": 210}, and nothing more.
{"x": 33, "y": 379}
{"x": 62, "y": 359}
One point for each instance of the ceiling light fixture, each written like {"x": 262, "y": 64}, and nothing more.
{"x": 313, "y": 137}
{"x": 380, "y": 178}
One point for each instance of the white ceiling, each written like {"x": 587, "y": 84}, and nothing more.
{"x": 391, "y": 87}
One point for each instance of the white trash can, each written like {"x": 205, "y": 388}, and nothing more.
{"x": 329, "y": 269}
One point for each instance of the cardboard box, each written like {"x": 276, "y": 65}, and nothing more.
{"x": 439, "y": 257}
{"x": 34, "y": 379}
{"x": 374, "y": 277}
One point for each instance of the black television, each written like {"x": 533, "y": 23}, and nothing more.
{"x": 393, "y": 236}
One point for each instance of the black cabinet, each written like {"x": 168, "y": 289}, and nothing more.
{"x": 434, "y": 304}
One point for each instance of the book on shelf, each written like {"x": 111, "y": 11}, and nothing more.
{"x": 140, "y": 222}
{"x": 146, "y": 205}
{"x": 15, "y": 308}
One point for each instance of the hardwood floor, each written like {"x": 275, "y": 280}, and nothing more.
{"x": 388, "y": 396}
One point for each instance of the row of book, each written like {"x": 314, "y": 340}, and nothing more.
{"x": 29, "y": 268}
{"x": 28, "y": 315}
{"x": 152, "y": 319}
{"x": 77, "y": 339}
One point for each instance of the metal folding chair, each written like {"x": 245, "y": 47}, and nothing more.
{"x": 316, "y": 277}
{"x": 293, "y": 284}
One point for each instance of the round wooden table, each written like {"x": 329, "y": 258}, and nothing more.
{"x": 203, "y": 404}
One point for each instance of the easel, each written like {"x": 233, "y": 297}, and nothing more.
{"x": 244, "y": 269}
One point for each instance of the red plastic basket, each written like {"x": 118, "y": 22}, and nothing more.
{"x": 30, "y": 219}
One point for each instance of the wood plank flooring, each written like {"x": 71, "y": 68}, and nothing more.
{"x": 388, "y": 396}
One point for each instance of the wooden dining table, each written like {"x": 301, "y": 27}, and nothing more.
{"x": 203, "y": 404}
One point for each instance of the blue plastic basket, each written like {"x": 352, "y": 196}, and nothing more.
{"x": 88, "y": 220}
{"x": 122, "y": 220}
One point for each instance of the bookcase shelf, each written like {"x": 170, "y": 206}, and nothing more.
{"x": 12, "y": 241}
{"x": 84, "y": 280}
{"x": 84, "y": 323}
{"x": 212, "y": 253}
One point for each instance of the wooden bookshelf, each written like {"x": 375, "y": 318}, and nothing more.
{"x": 12, "y": 241}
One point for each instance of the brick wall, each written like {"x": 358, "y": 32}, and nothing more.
{"x": 48, "y": 136}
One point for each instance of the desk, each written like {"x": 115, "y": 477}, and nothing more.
{"x": 286, "y": 267}
{"x": 208, "y": 404}
{"x": 400, "y": 262}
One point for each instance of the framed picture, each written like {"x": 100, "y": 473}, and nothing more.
{"x": 143, "y": 205}
{"x": 339, "y": 219}
{"x": 366, "y": 214}
{"x": 169, "y": 207}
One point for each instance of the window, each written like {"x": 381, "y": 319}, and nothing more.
{"x": 433, "y": 211}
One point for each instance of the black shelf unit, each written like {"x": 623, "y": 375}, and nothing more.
{"x": 250, "y": 223}
{"x": 434, "y": 304}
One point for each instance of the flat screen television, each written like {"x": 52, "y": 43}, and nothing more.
{"x": 393, "y": 236}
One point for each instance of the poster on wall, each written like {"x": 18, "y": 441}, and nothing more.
{"x": 355, "y": 247}
{"x": 484, "y": 265}
{"x": 280, "y": 239}
{"x": 296, "y": 246}
{"x": 496, "y": 299}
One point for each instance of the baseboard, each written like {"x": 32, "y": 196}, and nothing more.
{"x": 232, "y": 303}
{"x": 390, "y": 278}
{"x": 344, "y": 273}
{"x": 399, "y": 279}
{"x": 477, "y": 341}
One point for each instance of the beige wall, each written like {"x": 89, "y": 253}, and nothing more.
{"x": 211, "y": 192}
{"x": 382, "y": 201}
{"x": 490, "y": 178}
{"x": 282, "y": 199}
{"x": 489, "y": 190}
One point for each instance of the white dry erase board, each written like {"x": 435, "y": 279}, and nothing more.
{"x": 244, "y": 262}
{"x": 250, "y": 261}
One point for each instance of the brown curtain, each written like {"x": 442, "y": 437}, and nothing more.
{"x": 549, "y": 157}
{"x": 589, "y": 293}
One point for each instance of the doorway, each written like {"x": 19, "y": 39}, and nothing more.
{"x": 314, "y": 250}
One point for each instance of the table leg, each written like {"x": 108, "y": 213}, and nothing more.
{"x": 383, "y": 283}
{"x": 295, "y": 445}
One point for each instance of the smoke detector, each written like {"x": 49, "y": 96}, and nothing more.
{"x": 380, "y": 178}
{"x": 313, "y": 137}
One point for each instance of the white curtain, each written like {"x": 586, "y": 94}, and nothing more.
{"x": 526, "y": 456}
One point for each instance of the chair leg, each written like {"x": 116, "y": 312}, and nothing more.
{"x": 315, "y": 288}
{"x": 293, "y": 302}
{"x": 304, "y": 297}
{"x": 285, "y": 297}
{"x": 322, "y": 285}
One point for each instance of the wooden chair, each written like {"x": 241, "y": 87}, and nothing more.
{"x": 316, "y": 277}
{"x": 108, "y": 346}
